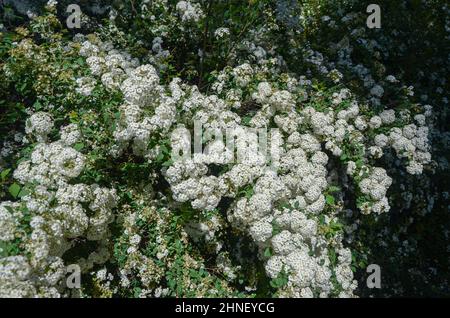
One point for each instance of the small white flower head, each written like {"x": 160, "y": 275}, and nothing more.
{"x": 391, "y": 79}
{"x": 70, "y": 134}
{"x": 135, "y": 240}
{"x": 40, "y": 124}
{"x": 381, "y": 140}
{"x": 51, "y": 3}
{"x": 351, "y": 168}
{"x": 8, "y": 222}
{"x": 221, "y": 32}
{"x": 375, "y": 122}
{"x": 387, "y": 116}
{"x": 189, "y": 11}
{"x": 377, "y": 91}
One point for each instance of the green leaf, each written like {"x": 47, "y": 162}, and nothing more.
{"x": 37, "y": 105}
{"x": 163, "y": 149}
{"x": 22, "y": 87}
{"x": 268, "y": 252}
{"x": 330, "y": 199}
{"x": 332, "y": 256}
{"x": 332, "y": 189}
{"x": 14, "y": 189}
{"x": 322, "y": 219}
{"x": 167, "y": 163}
{"x": 246, "y": 120}
{"x": 79, "y": 146}
{"x": 359, "y": 163}
{"x": 280, "y": 281}
{"x": 23, "y": 192}
{"x": 4, "y": 173}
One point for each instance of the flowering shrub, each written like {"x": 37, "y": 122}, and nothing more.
{"x": 319, "y": 147}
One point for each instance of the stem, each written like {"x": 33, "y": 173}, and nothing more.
{"x": 205, "y": 35}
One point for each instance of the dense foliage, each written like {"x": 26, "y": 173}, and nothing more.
{"x": 357, "y": 172}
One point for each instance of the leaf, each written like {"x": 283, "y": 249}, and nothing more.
{"x": 359, "y": 163}
{"x": 246, "y": 120}
{"x": 267, "y": 252}
{"x": 167, "y": 163}
{"x": 37, "y": 105}
{"x": 333, "y": 257}
{"x": 280, "y": 281}
{"x": 333, "y": 189}
{"x": 4, "y": 173}
{"x": 14, "y": 189}
{"x": 22, "y": 87}
{"x": 163, "y": 149}
{"x": 79, "y": 146}
{"x": 274, "y": 283}
{"x": 330, "y": 199}
{"x": 322, "y": 219}
{"x": 162, "y": 152}
{"x": 23, "y": 192}
{"x": 336, "y": 226}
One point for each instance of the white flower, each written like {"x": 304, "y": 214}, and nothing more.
{"x": 40, "y": 124}
{"x": 274, "y": 266}
{"x": 261, "y": 231}
{"x": 351, "y": 168}
{"x": 52, "y": 3}
{"x": 135, "y": 239}
{"x": 221, "y": 32}
{"x": 8, "y": 222}
{"x": 381, "y": 140}
{"x": 189, "y": 11}
{"x": 375, "y": 122}
{"x": 360, "y": 123}
{"x": 377, "y": 91}
{"x": 70, "y": 134}
{"x": 85, "y": 85}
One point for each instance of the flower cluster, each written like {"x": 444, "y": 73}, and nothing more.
{"x": 189, "y": 11}
{"x": 298, "y": 248}
{"x": 58, "y": 213}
